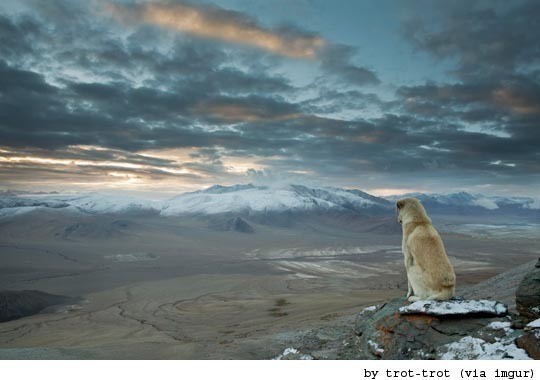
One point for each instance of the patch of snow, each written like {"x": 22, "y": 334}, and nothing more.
{"x": 455, "y": 307}
{"x": 132, "y": 257}
{"x": 469, "y": 348}
{"x": 292, "y": 351}
{"x": 485, "y": 203}
{"x": 375, "y": 347}
{"x": 500, "y": 326}
{"x": 423, "y": 355}
{"x": 534, "y": 324}
{"x": 368, "y": 309}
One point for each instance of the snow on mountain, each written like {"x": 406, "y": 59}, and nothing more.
{"x": 462, "y": 199}
{"x": 249, "y": 198}
{"x": 96, "y": 203}
{"x": 252, "y": 199}
{"x": 87, "y": 203}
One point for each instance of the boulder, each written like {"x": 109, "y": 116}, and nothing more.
{"x": 528, "y": 294}
{"x": 530, "y": 341}
{"x": 459, "y": 329}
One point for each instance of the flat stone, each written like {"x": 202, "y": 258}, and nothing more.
{"x": 453, "y": 308}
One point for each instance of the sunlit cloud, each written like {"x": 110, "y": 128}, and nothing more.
{"x": 517, "y": 101}
{"x": 186, "y": 169}
{"x": 240, "y": 113}
{"x": 241, "y": 165}
{"x": 220, "y": 24}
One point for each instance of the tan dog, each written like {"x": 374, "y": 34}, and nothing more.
{"x": 429, "y": 272}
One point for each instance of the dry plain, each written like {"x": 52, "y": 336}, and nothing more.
{"x": 149, "y": 287}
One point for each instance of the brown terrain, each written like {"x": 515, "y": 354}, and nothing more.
{"x": 149, "y": 287}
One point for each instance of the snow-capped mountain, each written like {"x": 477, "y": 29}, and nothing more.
{"x": 251, "y": 199}
{"x": 87, "y": 203}
{"x": 468, "y": 200}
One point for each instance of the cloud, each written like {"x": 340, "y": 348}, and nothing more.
{"x": 337, "y": 59}
{"x": 225, "y": 25}
{"x": 125, "y": 126}
{"x": 91, "y": 102}
{"x": 218, "y": 23}
{"x": 485, "y": 39}
{"x": 496, "y": 82}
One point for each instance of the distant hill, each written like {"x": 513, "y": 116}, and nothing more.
{"x": 23, "y": 303}
{"x": 255, "y": 200}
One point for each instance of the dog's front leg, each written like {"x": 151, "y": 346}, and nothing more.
{"x": 408, "y": 263}
{"x": 409, "y": 288}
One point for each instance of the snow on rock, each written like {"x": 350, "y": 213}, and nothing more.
{"x": 500, "y": 326}
{"x": 469, "y": 348}
{"x": 292, "y": 353}
{"x": 375, "y": 348}
{"x": 369, "y": 309}
{"x": 455, "y": 307}
{"x": 534, "y": 324}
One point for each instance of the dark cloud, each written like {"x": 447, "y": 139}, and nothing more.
{"x": 78, "y": 99}
{"x": 330, "y": 100}
{"x": 497, "y": 93}
{"x": 486, "y": 40}
{"x": 336, "y": 59}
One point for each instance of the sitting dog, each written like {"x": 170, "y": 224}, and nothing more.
{"x": 429, "y": 272}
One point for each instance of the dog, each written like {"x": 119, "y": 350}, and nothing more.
{"x": 430, "y": 274}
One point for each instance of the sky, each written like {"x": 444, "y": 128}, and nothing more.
{"x": 171, "y": 96}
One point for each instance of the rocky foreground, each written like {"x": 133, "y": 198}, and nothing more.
{"x": 455, "y": 329}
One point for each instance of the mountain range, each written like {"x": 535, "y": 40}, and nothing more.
{"x": 251, "y": 200}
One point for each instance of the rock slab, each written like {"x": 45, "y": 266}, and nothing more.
{"x": 528, "y": 294}
{"x": 461, "y": 329}
{"x": 455, "y": 308}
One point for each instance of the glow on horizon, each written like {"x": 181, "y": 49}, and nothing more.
{"x": 384, "y": 192}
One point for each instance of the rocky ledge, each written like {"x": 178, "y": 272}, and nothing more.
{"x": 528, "y": 294}
{"x": 456, "y": 329}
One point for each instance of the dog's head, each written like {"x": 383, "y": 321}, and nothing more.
{"x": 409, "y": 210}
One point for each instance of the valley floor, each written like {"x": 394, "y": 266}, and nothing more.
{"x": 156, "y": 289}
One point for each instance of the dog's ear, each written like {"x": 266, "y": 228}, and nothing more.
{"x": 400, "y": 204}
